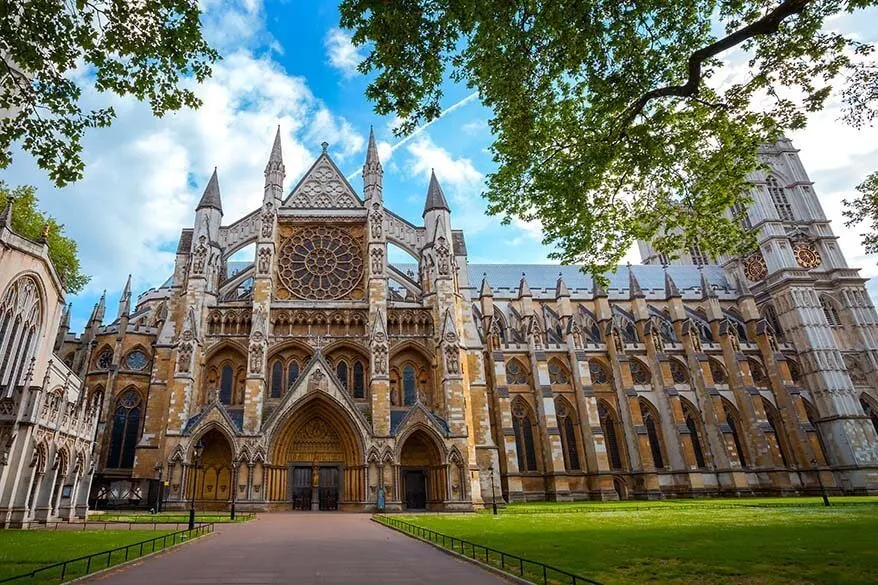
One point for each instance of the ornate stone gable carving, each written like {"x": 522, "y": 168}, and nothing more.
{"x": 320, "y": 262}
{"x": 443, "y": 255}
{"x": 323, "y": 187}
{"x": 376, "y": 220}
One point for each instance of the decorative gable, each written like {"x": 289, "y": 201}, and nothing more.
{"x": 323, "y": 187}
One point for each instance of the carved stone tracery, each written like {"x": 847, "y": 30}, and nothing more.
{"x": 320, "y": 263}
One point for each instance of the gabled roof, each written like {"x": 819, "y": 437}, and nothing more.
{"x": 323, "y": 187}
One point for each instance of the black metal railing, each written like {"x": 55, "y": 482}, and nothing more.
{"x": 81, "y": 566}
{"x": 533, "y": 571}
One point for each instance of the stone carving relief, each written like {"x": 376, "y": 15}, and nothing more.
{"x": 199, "y": 258}
{"x": 376, "y": 218}
{"x": 317, "y": 381}
{"x": 324, "y": 188}
{"x": 443, "y": 257}
{"x": 184, "y": 354}
{"x": 377, "y": 255}
{"x": 263, "y": 265}
{"x": 267, "y": 223}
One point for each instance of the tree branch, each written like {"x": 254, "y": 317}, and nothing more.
{"x": 768, "y": 24}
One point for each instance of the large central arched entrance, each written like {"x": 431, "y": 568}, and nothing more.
{"x": 318, "y": 459}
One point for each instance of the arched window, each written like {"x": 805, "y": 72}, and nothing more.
{"x": 409, "y": 385}
{"x": 639, "y": 372}
{"x": 870, "y": 411}
{"x": 515, "y": 373}
{"x": 568, "y": 435}
{"x": 341, "y": 372}
{"x": 795, "y": 371}
{"x": 558, "y": 373}
{"x": 679, "y": 373}
{"x": 126, "y": 430}
{"x": 734, "y": 422}
{"x": 777, "y": 428}
{"x": 20, "y": 318}
{"x": 757, "y": 372}
{"x": 697, "y": 255}
{"x": 779, "y": 198}
{"x": 524, "y": 436}
{"x": 227, "y": 381}
{"x": 292, "y": 373}
{"x": 609, "y": 426}
{"x": 598, "y": 372}
{"x": 650, "y": 421}
{"x": 277, "y": 379}
{"x": 359, "y": 380}
{"x": 704, "y": 330}
{"x": 718, "y": 372}
{"x": 694, "y": 437}
{"x": 830, "y": 312}
{"x": 771, "y": 317}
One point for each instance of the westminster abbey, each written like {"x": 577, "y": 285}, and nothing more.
{"x": 319, "y": 375}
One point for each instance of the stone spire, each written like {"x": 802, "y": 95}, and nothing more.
{"x": 634, "y": 290}
{"x": 276, "y": 155}
{"x": 211, "y": 196}
{"x": 125, "y": 300}
{"x": 707, "y": 291}
{"x": 97, "y": 314}
{"x": 485, "y": 290}
{"x": 561, "y": 288}
{"x": 372, "y": 171}
{"x": 523, "y": 288}
{"x": 435, "y": 196}
{"x": 741, "y": 285}
{"x": 671, "y": 290}
{"x": 373, "y": 163}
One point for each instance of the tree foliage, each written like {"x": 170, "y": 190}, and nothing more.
{"x": 50, "y": 49}
{"x": 864, "y": 208}
{"x": 611, "y": 119}
{"x": 29, "y": 222}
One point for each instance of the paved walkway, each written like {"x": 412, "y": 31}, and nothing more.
{"x": 301, "y": 548}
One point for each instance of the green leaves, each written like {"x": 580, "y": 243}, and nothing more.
{"x": 28, "y": 221}
{"x": 609, "y": 126}
{"x": 49, "y": 49}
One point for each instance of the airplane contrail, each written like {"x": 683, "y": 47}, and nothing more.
{"x": 420, "y": 129}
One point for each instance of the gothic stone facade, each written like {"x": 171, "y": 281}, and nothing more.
{"x": 320, "y": 375}
{"x": 47, "y": 423}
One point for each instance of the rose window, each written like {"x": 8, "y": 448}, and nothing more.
{"x": 320, "y": 263}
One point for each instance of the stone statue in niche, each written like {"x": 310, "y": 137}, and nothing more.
{"x": 452, "y": 359}
{"x": 200, "y": 256}
{"x": 379, "y": 353}
{"x": 377, "y": 219}
{"x": 264, "y": 264}
{"x": 184, "y": 357}
{"x": 256, "y": 357}
{"x": 377, "y": 260}
{"x": 267, "y": 223}
{"x": 617, "y": 340}
{"x": 733, "y": 339}
{"x": 442, "y": 256}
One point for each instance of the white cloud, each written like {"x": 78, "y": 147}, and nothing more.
{"x": 341, "y": 53}
{"x": 144, "y": 176}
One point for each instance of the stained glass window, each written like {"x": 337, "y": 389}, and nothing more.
{"x": 136, "y": 360}
{"x": 126, "y": 428}
{"x": 409, "y": 385}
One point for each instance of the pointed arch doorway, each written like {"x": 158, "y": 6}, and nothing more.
{"x": 320, "y": 454}
{"x": 422, "y": 473}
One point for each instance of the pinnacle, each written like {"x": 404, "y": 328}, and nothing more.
{"x": 211, "y": 196}
{"x": 435, "y": 196}
{"x": 276, "y": 151}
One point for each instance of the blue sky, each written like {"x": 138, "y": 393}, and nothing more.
{"x": 288, "y": 63}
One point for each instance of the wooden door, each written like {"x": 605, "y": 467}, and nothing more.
{"x": 301, "y": 478}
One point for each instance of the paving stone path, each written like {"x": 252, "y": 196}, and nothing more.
{"x": 301, "y": 548}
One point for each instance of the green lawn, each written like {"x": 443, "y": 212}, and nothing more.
{"x": 766, "y": 541}
{"x": 167, "y": 517}
{"x": 22, "y": 551}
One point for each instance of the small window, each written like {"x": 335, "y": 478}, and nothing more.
{"x": 409, "y": 385}
{"x": 341, "y": 371}
{"x": 136, "y": 360}
{"x": 557, "y": 373}
{"x": 359, "y": 380}
{"x": 277, "y": 379}
{"x": 779, "y": 198}
{"x": 598, "y": 373}
{"x": 292, "y": 373}
{"x": 830, "y": 312}
{"x": 105, "y": 360}
{"x": 698, "y": 257}
{"x": 679, "y": 373}
{"x": 524, "y": 437}
{"x": 639, "y": 373}
{"x": 515, "y": 373}
{"x": 227, "y": 379}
